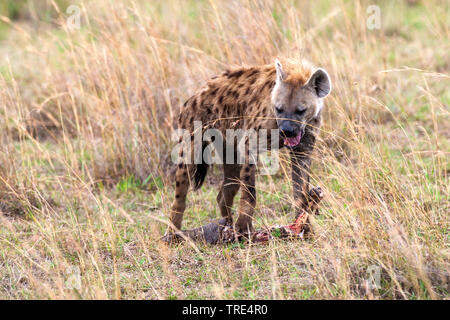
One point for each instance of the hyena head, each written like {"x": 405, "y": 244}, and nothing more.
{"x": 297, "y": 100}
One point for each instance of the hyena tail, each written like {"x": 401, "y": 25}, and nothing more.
{"x": 200, "y": 171}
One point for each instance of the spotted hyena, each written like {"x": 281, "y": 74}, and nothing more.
{"x": 286, "y": 96}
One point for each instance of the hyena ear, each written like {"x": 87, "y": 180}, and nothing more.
{"x": 280, "y": 72}
{"x": 320, "y": 82}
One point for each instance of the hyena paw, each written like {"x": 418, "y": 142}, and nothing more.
{"x": 243, "y": 230}
{"x": 172, "y": 237}
{"x": 316, "y": 194}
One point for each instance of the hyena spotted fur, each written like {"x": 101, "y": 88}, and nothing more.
{"x": 287, "y": 95}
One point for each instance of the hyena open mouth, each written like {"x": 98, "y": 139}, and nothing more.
{"x": 294, "y": 141}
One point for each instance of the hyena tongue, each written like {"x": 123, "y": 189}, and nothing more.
{"x": 292, "y": 142}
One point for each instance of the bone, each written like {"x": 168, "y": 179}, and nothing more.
{"x": 221, "y": 231}
{"x": 212, "y": 233}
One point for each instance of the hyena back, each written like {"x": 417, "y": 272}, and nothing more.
{"x": 287, "y": 96}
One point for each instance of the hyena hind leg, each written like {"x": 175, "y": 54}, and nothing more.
{"x": 228, "y": 190}
{"x": 244, "y": 223}
{"x": 179, "y": 205}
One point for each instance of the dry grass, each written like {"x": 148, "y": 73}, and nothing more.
{"x": 85, "y": 120}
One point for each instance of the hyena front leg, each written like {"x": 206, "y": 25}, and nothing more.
{"x": 179, "y": 204}
{"x": 300, "y": 177}
{"x": 228, "y": 189}
{"x": 300, "y": 181}
{"x": 301, "y": 162}
{"x": 248, "y": 199}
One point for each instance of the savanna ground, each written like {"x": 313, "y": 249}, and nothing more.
{"x": 86, "y": 122}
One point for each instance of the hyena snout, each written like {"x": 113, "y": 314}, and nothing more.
{"x": 289, "y": 129}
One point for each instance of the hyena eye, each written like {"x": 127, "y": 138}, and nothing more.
{"x": 279, "y": 109}
{"x": 300, "y": 112}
